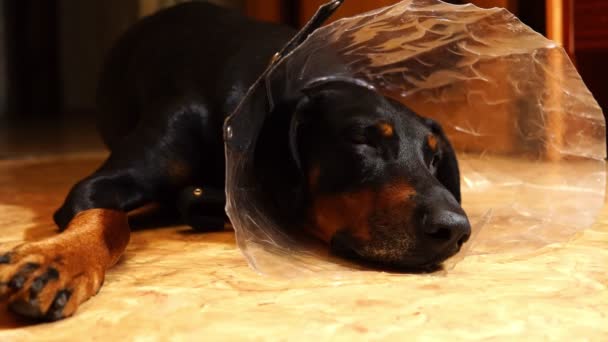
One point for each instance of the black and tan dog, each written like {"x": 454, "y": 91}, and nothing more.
{"x": 378, "y": 182}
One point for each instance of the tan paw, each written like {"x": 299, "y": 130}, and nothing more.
{"x": 43, "y": 284}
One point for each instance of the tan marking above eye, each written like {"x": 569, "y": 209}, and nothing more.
{"x": 431, "y": 140}
{"x": 386, "y": 129}
{"x": 313, "y": 176}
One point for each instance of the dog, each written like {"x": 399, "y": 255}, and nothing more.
{"x": 377, "y": 182}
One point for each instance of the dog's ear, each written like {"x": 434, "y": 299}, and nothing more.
{"x": 312, "y": 95}
{"x": 448, "y": 173}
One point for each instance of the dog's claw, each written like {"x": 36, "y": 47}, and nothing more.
{"x": 40, "y": 282}
{"x": 56, "y": 310}
{"x": 5, "y": 258}
{"x": 17, "y": 282}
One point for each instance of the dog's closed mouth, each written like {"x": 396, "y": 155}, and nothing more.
{"x": 430, "y": 265}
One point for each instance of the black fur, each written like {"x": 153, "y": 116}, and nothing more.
{"x": 165, "y": 90}
{"x": 170, "y": 82}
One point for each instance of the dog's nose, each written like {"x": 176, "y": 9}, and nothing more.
{"x": 446, "y": 228}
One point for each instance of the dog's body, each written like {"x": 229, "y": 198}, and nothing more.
{"x": 379, "y": 182}
{"x": 166, "y": 89}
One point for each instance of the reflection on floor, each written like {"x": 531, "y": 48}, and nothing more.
{"x": 177, "y": 284}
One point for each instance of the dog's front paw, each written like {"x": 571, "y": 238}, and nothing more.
{"x": 43, "y": 284}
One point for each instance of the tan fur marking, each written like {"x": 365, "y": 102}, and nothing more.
{"x": 352, "y": 211}
{"x": 386, "y": 129}
{"x": 431, "y": 139}
{"x": 313, "y": 177}
{"x": 344, "y": 211}
{"x": 396, "y": 194}
{"x": 103, "y": 233}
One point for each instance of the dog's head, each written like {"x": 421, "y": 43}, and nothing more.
{"x": 382, "y": 182}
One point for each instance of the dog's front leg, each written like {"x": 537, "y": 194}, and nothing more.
{"x": 48, "y": 279}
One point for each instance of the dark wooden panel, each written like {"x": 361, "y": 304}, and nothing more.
{"x": 591, "y": 46}
{"x": 276, "y": 11}
{"x": 3, "y": 69}
{"x": 591, "y": 24}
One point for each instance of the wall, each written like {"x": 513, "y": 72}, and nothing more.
{"x": 3, "y": 71}
{"x": 147, "y": 7}
{"x": 87, "y": 30}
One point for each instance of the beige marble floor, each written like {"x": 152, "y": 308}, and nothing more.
{"x": 179, "y": 285}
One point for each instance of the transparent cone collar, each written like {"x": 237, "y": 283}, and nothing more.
{"x": 530, "y": 136}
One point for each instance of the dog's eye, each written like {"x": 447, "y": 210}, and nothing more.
{"x": 357, "y": 135}
{"x": 359, "y": 138}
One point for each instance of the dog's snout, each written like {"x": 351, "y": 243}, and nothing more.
{"x": 447, "y": 228}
